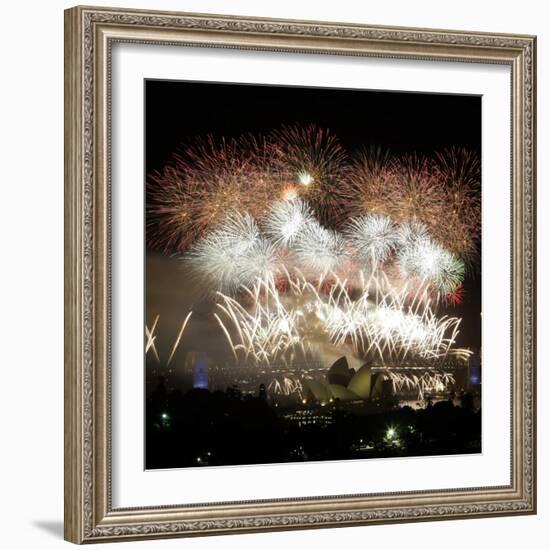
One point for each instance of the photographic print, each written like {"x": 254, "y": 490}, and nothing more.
{"x": 276, "y": 272}
{"x": 313, "y": 274}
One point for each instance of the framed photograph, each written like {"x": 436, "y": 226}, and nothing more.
{"x": 300, "y": 274}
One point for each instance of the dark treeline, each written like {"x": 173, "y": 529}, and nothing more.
{"x": 200, "y": 428}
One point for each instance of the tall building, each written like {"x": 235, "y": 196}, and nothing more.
{"x": 200, "y": 371}
{"x": 474, "y": 369}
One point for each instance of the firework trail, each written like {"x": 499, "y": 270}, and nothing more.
{"x": 296, "y": 321}
{"x": 286, "y": 386}
{"x": 265, "y": 332}
{"x": 381, "y": 324}
{"x": 427, "y": 382}
{"x": 178, "y": 339}
{"x": 151, "y": 337}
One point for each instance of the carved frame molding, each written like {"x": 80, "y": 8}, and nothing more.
{"x": 89, "y": 35}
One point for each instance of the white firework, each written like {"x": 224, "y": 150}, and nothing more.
{"x": 388, "y": 328}
{"x": 425, "y": 383}
{"x": 406, "y": 333}
{"x": 262, "y": 261}
{"x": 432, "y": 264}
{"x": 275, "y": 324}
{"x": 234, "y": 253}
{"x": 264, "y": 332}
{"x": 373, "y": 237}
{"x": 286, "y": 386}
{"x": 409, "y": 233}
{"x": 286, "y": 220}
{"x": 319, "y": 251}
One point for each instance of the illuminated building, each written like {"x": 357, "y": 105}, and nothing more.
{"x": 308, "y": 417}
{"x": 474, "y": 370}
{"x": 200, "y": 371}
{"x": 339, "y": 373}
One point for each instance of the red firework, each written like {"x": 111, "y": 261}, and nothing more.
{"x": 441, "y": 193}
{"x": 315, "y": 161}
{"x": 204, "y": 182}
{"x": 208, "y": 178}
{"x": 456, "y": 297}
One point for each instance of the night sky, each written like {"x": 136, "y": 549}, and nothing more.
{"x": 177, "y": 112}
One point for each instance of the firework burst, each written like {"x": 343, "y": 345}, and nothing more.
{"x": 287, "y": 220}
{"x": 373, "y": 237}
{"x": 459, "y": 169}
{"x": 314, "y": 159}
{"x": 418, "y": 194}
{"x": 319, "y": 251}
{"x": 456, "y": 296}
{"x": 206, "y": 180}
{"x": 234, "y": 253}
{"x": 366, "y": 182}
{"x": 411, "y": 232}
{"x": 421, "y": 189}
{"x": 431, "y": 263}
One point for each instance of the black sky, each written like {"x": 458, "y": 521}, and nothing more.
{"x": 176, "y": 112}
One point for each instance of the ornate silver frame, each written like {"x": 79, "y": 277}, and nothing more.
{"x": 89, "y": 35}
